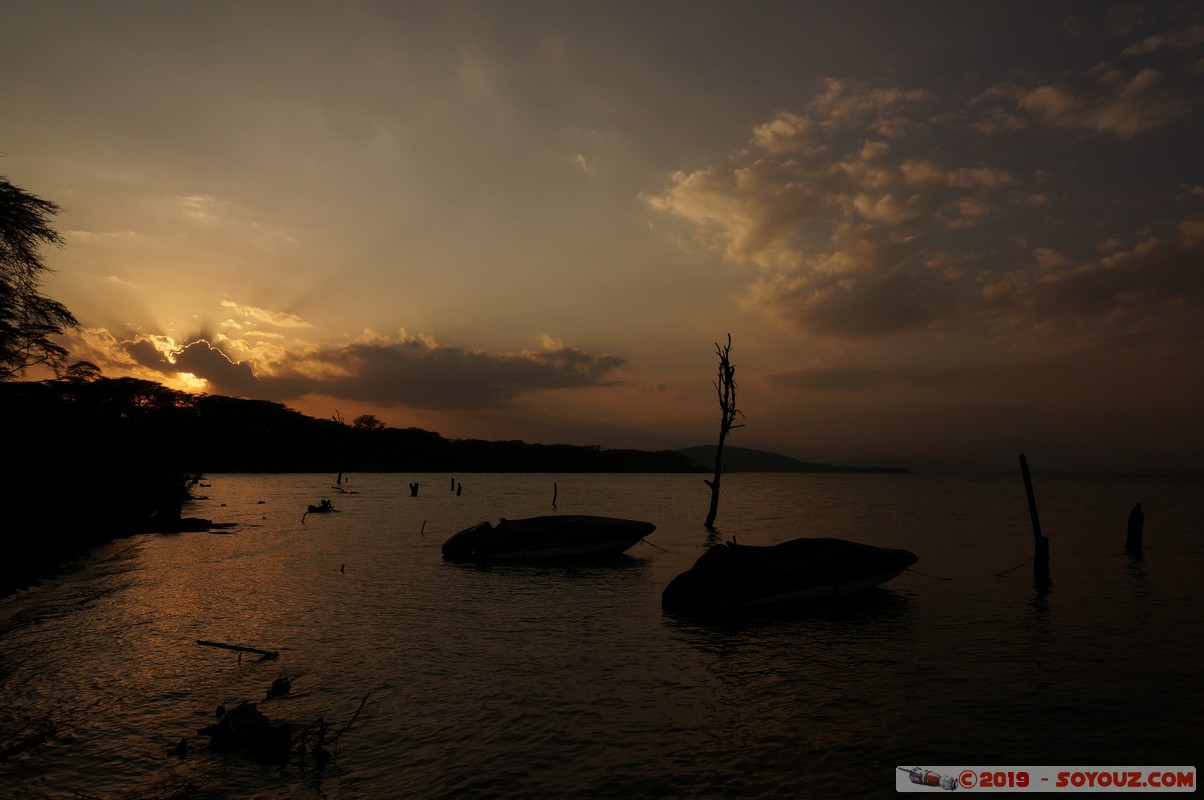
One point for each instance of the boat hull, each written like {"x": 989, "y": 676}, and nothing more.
{"x": 550, "y": 537}
{"x": 731, "y": 577}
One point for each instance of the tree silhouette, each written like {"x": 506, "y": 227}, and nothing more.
{"x": 367, "y": 422}
{"x": 725, "y": 388}
{"x": 27, "y": 319}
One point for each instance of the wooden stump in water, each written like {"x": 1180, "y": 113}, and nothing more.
{"x": 1040, "y": 543}
{"x": 1133, "y": 538}
{"x": 1041, "y": 561}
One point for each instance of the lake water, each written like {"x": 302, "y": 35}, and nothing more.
{"x": 569, "y": 681}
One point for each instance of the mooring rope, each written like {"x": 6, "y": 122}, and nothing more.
{"x": 657, "y": 546}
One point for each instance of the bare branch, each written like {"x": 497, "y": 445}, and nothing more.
{"x": 725, "y": 390}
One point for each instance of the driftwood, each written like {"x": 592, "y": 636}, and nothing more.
{"x": 313, "y": 739}
{"x": 239, "y": 648}
{"x": 245, "y": 728}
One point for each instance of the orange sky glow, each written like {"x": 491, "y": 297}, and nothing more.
{"x": 940, "y": 234}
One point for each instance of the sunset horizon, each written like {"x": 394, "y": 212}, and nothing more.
{"x": 938, "y": 236}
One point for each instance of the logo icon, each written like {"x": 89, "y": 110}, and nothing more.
{"x": 926, "y": 777}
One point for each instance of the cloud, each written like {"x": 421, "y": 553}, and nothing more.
{"x": 854, "y": 310}
{"x": 205, "y": 361}
{"x": 1152, "y": 287}
{"x": 102, "y": 348}
{"x": 1184, "y": 39}
{"x": 1103, "y": 98}
{"x": 756, "y": 212}
{"x": 233, "y": 219}
{"x": 874, "y": 210}
{"x": 277, "y": 318}
{"x": 422, "y": 374}
{"x": 144, "y": 352}
{"x": 844, "y": 104}
{"x": 410, "y": 371}
{"x": 1124, "y": 107}
{"x": 837, "y": 224}
{"x": 785, "y": 133}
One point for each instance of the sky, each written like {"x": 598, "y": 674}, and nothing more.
{"x": 940, "y": 234}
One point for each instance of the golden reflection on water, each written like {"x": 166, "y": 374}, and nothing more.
{"x": 517, "y": 680}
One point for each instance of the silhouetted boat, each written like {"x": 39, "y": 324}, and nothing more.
{"x": 733, "y": 577}
{"x": 545, "y": 537}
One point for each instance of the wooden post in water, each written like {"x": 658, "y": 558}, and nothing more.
{"x": 1133, "y": 538}
{"x": 1040, "y": 543}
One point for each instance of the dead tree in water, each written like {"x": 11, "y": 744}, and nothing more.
{"x": 725, "y": 388}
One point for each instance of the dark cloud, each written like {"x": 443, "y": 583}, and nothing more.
{"x": 144, "y": 353}
{"x": 851, "y": 207}
{"x": 1119, "y": 103}
{"x": 1150, "y": 283}
{"x": 206, "y": 361}
{"x": 411, "y": 373}
{"x": 840, "y": 224}
{"x": 886, "y": 304}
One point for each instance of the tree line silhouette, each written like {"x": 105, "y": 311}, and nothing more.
{"x": 108, "y": 457}
{"x": 87, "y": 458}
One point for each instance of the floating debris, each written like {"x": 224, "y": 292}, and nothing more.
{"x": 239, "y": 648}
{"x": 280, "y": 687}
{"x": 246, "y": 728}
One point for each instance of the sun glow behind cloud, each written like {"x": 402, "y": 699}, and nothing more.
{"x": 880, "y": 227}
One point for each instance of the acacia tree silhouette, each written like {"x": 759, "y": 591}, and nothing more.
{"x": 367, "y": 422}
{"x": 725, "y": 388}
{"x": 27, "y": 319}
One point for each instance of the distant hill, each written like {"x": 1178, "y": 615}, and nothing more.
{"x": 743, "y": 459}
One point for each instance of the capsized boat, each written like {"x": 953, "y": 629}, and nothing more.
{"x": 546, "y": 537}
{"x": 733, "y": 577}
